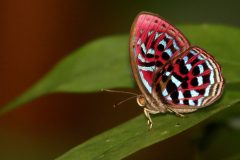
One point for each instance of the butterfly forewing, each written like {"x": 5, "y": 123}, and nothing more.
{"x": 193, "y": 79}
{"x": 153, "y": 42}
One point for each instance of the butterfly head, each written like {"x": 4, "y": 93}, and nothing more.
{"x": 141, "y": 100}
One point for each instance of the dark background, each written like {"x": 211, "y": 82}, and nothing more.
{"x": 35, "y": 35}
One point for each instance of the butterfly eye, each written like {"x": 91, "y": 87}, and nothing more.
{"x": 141, "y": 101}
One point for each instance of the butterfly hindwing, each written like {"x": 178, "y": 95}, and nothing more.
{"x": 153, "y": 42}
{"x": 193, "y": 79}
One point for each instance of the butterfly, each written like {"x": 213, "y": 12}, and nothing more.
{"x": 172, "y": 75}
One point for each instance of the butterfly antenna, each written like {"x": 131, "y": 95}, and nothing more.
{"x": 114, "y": 91}
{"x": 117, "y": 104}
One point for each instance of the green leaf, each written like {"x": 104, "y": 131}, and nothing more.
{"x": 104, "y": 63}
{"x": 234, "y": 157}
{"x": 224, "y": 138}
{"x": 132, "y": 136}
{"x": 92, "y": 67}
{"x": 89, "y": 68}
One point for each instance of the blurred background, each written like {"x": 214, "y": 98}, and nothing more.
{"x": 35, "y": 35}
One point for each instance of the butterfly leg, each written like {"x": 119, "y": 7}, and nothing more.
{"x": 177, "y": 113}
{"x": 149, "y": 121}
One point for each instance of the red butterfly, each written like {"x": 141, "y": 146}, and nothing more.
{"x": 172, "y": 75}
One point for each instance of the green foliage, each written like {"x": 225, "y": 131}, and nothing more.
{"x": 104, "y": 63}
{"x": 132, "y": 136}
{"x": 88, "y": 69}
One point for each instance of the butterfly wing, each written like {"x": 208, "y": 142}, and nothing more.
{"x": 193, "y": 79}
{"x": 153, "y": 42}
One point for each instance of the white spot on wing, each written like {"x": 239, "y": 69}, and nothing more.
{"x": 200, "y": 80}
{"x": 169, "y": 37}
{"x": 194, "y": 93}
{"x": 151, "y": 51}
{"x": 163, "y": 42}
{"x": 208, "y": 64}
{"x": 139, "y": 41}
{"x": 185, "y": 58}
{"x": 207, "y": 91}
{"x": 143, "y": 48}
{"x": 175, "y": 45}
{"x": 201, "y": 69}
{"x": 169, "y": 52}
{"x": 191, "y": 103}
{"x": 212, "y": 77}
{"x": 141, "y": 58}
{"x": 157, "y": 35}
{"x": 212, "y": 72}
{"x": 181, "y": 102}
{"x": 193, "y": 52}
{"x": 175, "y": 81}
{"x": 200, "y": 101}
{"x": 200, "y": 57}
{"x": 146, "y": 68}
{"x": 180, "y": 95}
{"x": 169, "y": 98}
{"x": 167, "y": 73}
{"x": 148, "y": 87}
{"x": 149, "y": 33}
{"x": 165, "y": 93}
{"x": 189, "y": 67}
